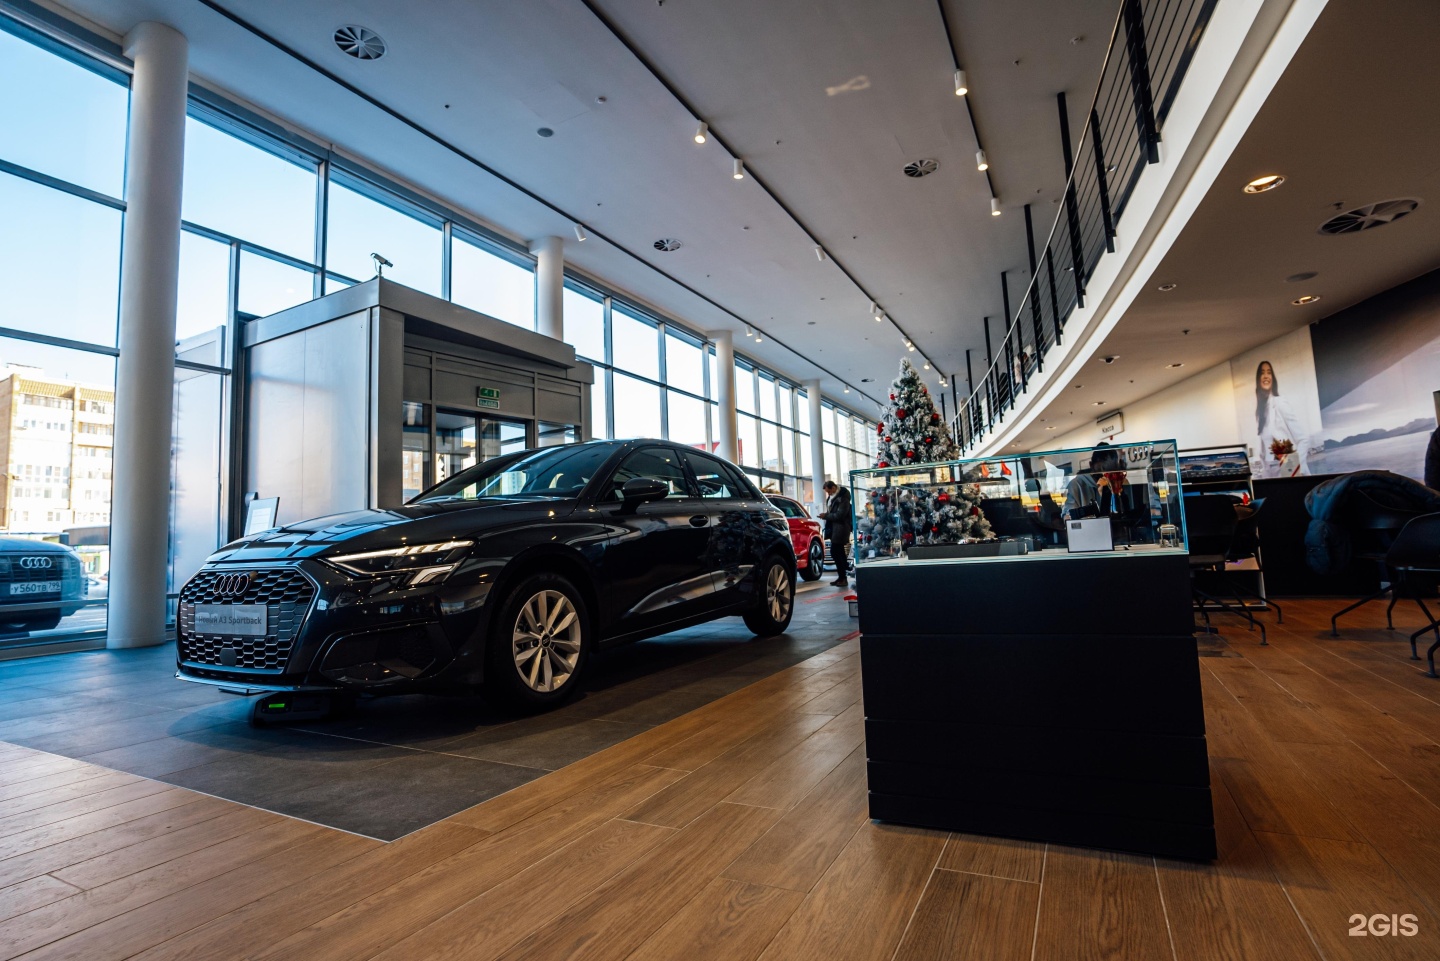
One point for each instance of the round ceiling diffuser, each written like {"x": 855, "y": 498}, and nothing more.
{"x": 921, "y": 168}
{"x": 667, "y": 244}
{"x": 1369, "y": 216}
{"x": 359, "y": 42}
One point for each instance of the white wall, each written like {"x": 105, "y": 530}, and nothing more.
{"x": 1197, "y": 412}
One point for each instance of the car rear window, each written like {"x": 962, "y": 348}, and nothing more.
{"x": 717, "y": 478}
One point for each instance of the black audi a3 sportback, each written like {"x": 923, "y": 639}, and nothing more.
{"x": 509, "y": 574}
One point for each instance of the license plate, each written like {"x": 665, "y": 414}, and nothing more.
{"x": 231, "y": 620}
{"x": 34, "y": 587}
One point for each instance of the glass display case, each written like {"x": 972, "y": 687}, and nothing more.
{"x": 1109, "y": 498}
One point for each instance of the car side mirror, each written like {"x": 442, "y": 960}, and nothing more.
{"x": 642, "y": 490}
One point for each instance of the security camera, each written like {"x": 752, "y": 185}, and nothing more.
{"x": 1111, "y": 360}
{"x": 380, "y": 264}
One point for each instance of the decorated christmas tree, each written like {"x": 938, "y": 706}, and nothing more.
{"x": 912, "y": 433}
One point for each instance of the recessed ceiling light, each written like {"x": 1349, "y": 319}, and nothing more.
{"x": 1306, "y": 299}
{"x": 1261, "y": 184}
{"x": 545, "y": 132}
{"x": 1078, "y": 386}
{"x": 1099, "y": 403}
{"x": 1173, "y": 366}
{"x": 1302, "y": 277}
{"x": 1050, "y": 428}
{"x": 1167, "y": 287}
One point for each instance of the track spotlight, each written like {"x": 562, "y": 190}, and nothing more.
{"x": 820, "y": 254}
{"x": 880, "y": 318}
{"x": 739, "y": 173}
{"x": 927, "y": 365}
{"x": 874, "y": 308}
{"x": 700, "y": 132}
{"x": 981, "y": 163}
{"x": 759, "y": 337}
{"x": 580, "y": 233}
{"x": 748, "y": 331}
{"x": 962, "y": 83}
{"x": 847, "y": 388}
{"x": 994, "y": 206}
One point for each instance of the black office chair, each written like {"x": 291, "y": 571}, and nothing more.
{"x": 1373, "y": 529}
{"x": 1210, "y": 524}
{"x": 1413, "y": 566}
{"x": 1246, "y": 545}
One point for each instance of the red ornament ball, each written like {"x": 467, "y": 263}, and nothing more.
{"x": 924, "y": 390}
{"x": 943, "y": 498}
{"x": 909, "y": 453}
{"x": 900, "y": 413}
{"x": 882, "y": 464}
{"x": 934, "y": 530}
{"x": 892, "y": 396}
{"x": 929, "y": 440}
{"x": 934, "y": 418}
{"x": 887, "y": 438}
{"x": 974, "y": 512}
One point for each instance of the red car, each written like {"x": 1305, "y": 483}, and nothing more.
{"x": 805, "y": 534}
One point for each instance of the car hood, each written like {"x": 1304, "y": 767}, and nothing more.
{"x": 373, "y": 529}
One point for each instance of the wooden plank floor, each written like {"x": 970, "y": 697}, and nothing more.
{"x": 739, "y": 831}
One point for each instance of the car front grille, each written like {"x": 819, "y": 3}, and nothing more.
{"x": 286, "y": 594}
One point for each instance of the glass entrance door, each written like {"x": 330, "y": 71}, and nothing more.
{"x": 463, "y": 440}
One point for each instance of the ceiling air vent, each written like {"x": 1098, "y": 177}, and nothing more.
{"x": 921, "y": 168}
{"x": 359, "y": 42}
{"x": 1369, "y": 216}
{"x": 667, "y": 244}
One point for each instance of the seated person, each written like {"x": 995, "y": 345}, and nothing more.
{"x": 1096, "y": 493}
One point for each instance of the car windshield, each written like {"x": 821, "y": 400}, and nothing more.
{"x": 551, "y": 472}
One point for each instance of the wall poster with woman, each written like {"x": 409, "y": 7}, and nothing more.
{"x": 1277, "y": 405}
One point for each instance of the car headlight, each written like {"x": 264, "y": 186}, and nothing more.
{"x": 422, "y": 562}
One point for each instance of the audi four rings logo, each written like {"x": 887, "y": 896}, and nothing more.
{"x": 36, "y": 563}
{"x": 231, "y": 585}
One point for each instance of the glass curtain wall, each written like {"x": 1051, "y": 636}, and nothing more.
{"x": 62, "y": 162}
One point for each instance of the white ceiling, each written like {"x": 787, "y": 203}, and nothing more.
{"x": 758, "y": 72}
{"x": 1352, "y": 120}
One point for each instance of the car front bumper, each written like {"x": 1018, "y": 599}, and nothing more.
{"x": 326, "y": 631}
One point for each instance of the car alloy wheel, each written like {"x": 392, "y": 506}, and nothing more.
{"x": 545, "y": 641}
{"x": 816, "y": 565}
{"x": 779, "y": 594}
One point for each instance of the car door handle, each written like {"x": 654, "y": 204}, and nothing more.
{"x": 700, "y": 520}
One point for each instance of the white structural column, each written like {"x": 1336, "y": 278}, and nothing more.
{"x": 145, "y": 372}
{"x": 727, "y": 427}
{"x": 550, "y": 286}
{"x": 817, "y": 439}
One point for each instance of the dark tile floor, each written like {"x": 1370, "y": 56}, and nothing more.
{"x": 396, "y": 764}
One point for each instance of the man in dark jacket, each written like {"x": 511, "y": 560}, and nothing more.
{"x": 837, "y": 528}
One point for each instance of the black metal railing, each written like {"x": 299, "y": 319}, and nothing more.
{"x": 1151, "y": 46}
